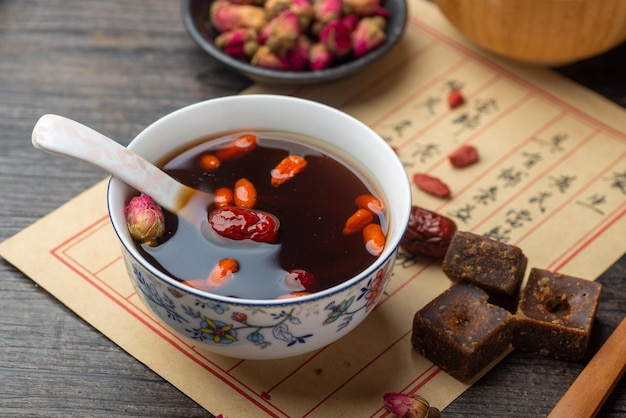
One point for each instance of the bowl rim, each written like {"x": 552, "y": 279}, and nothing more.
{"x": 394, "y": 34}
{"x": 391, "y": 247}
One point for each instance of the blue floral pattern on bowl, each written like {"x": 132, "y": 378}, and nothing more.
{"x": 222, "y": 326}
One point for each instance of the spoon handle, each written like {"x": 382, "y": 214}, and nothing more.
{"x": 62, "y": 136}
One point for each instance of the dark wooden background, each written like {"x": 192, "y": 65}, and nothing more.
{"x": 116, "y": 66}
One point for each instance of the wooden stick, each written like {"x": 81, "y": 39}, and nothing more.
{"x": 594, "y": 384}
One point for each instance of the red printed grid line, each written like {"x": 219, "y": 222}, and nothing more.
{"x": 82, "y": 237}
{"x": 608, "y": 220}
{"x": 301, "y": 91}
{"x": 527, "y": 85}
{"x": 443, "y": 75}
{"x": 444, "y": 115}
{"x": 60, "y": 252}
{"x": 416, "y": 384}
{"x": 527, "y": 186}
{"x": 357, "y": 373}
{"x": 586, "y": 240}
{"x": 499, "y": 72}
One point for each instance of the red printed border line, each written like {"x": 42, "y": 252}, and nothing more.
{"x": 125, "y": 301}
{"x": 262, "y": 400}
{"x": 422, "y": 378}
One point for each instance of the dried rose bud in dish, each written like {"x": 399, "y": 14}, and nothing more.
{"x": 299, "y": 35}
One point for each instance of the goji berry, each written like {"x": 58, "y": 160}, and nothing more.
{"x": 299, "y": 280}
{"x": 367, "y": 201}
{"x": 223, "y": 271}
{"x": 357, "y": 221}
{"x": 427, "y": 233}
{"x": 431, "y": 185}
{"x": 287, "y": 168}
{"x": 455, "y": 98}
{"x": 463, "y": 156}
{"x": 209, "y": 162}
{"x": 223, "y": 197}
{"x": 374, "y": 239}
{"x": 237, "y": 147}
{"x": 240, "y": 223}
{"x": 244, "y": 194}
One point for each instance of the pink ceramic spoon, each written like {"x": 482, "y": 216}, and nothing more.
{"x": 62, "y": 136}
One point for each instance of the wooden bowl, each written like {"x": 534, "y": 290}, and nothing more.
{"x": 549, "y": 32}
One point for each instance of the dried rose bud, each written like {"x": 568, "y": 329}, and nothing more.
{"x": 298, "y": 56}
{"x": 406, "y": 406}
{"x": 319, "y": 57}
{"x": 250, "y": 48}
{"x": 361, "y": 7}
{"x": 144, "y": 219}
{"x": 327, "y": 10}
{"x": 247, "y": 2}
{"x": 368, "y": 35}
{"x": 382, "y": 12}
{"x": 350, "y": 21}
{"x": 304, "y": 10}
{"x": 274, "y": 7}
{"x": 263, "y": 33}
{"x": 299, "y": 280}
{"x": 226, "y": 16}
{"x": 265, "y": 58}
{"x": 284, "y": 30}
{"x": 233, "y": 42}
{"x": 336, "y": 35}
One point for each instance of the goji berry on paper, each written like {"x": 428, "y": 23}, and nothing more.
{"x": 431, "y": 185}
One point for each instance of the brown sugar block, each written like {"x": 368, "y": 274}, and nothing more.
{"x": 555, "y": 315}
{"x": 461, "y": 332}
{"x": 496, "y": 267}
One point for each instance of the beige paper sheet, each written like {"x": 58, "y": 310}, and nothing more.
{"x": 551, "y": 179}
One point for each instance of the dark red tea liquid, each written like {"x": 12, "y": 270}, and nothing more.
{"x": 312, "y": 209}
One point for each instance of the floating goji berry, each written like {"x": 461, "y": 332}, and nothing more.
{"x": 299, "y": 279}
{"x": 223, "y": 197}
{"x": 463, "y": 156}
{"x": 367, "y": 201}
{"x": 374, "y": 239}
{"x": 427, "y": 233}
{"x": 209, "y": 162}
{"x": 357, "y": 221}
{"x": 223, "y": 271}
{"x": 455, "y": 98}
{"x": 244, "y": 194}
{"x": 287, "y": 168}
{"x": 237, "y": 147}
{"x": 240, "y": 223}
{"x": 431, "y": 185}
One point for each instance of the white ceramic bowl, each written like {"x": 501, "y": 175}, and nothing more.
{"x": 266, "y": 329}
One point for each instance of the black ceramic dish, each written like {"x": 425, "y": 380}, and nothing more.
{"x": 195, "y": 17}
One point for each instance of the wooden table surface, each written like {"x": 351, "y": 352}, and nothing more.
{"x": 116, "y": 66}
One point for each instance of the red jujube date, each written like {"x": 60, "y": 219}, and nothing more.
{"x": 428, "y": 233}
{"x": 240, "y": 223}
